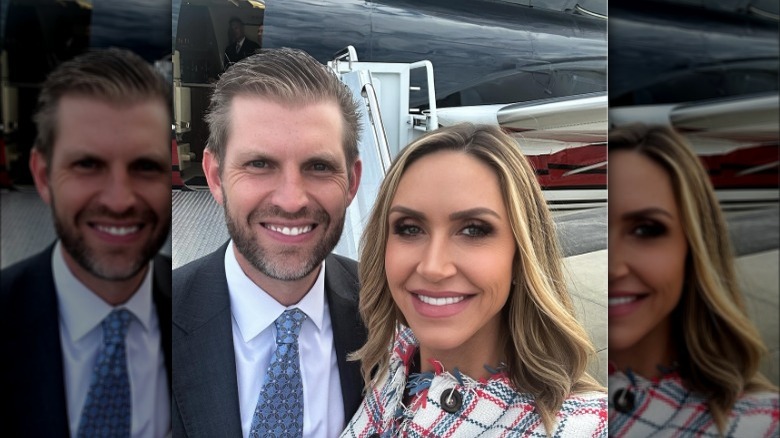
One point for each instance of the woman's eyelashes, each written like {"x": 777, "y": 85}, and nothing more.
{"x": 472, "y": 229}
{"x": 648, "y": 229}
{"x": 477, "y": 229}
{"x": 404, "y": 228}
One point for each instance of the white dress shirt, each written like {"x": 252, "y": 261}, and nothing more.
{"x": 254, "y": 342}
{"x": 81, "y": 334}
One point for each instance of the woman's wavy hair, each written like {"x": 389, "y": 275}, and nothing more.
{"x": 546, "y": 348}
{"x": 722, "y": 349}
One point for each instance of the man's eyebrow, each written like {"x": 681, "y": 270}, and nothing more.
{"x": 329, "y": 158}
{"x": 254, "y": 156}
{"x": 157, "y": 159}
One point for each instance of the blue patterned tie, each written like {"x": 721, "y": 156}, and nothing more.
{"x": 279, "y": 411}
{"x": 107, "y": 409}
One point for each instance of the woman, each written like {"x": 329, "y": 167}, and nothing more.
{"x": 684, "y": 356}
{"x": 461, "y": 275}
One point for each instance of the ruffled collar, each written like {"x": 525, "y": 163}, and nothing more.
{"x": 636, "y": 381}
{"x": 407, "y": 352}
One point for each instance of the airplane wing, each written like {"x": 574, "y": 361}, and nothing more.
{"x": 737, "y": 140}
{"x": 564, "y": 139}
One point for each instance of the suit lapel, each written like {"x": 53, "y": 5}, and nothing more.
{"x": 37, "y": 370}
{"x": 341, "y": 288}
{"x": 161, "y": 294}
{"x": 33, "y": 359}
{"x": 205, "y": 385}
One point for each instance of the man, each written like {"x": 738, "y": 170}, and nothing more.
{"x": 98, "y": 298}
{"x": 240, "y": 46}
{"x": 262, "y": 327}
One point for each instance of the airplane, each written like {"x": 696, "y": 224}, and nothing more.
{"x": 509, "y": 55}
{"x": 484, "y": 53}
{"x": 514, "y": 54}
{"x": 710, "y": 71}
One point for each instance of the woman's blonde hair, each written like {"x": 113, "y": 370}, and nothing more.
{"x": 722, "y": 349}
{"x": 546, "y": 348}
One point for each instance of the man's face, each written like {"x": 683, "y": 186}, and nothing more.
{"x": 108, "y": 184}
{"x": 285, "y": 186}
{"x": 237, "y": 29}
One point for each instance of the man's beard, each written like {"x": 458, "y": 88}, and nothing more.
{"x": 284, "y": 265}
{"x": 75, "y": 245}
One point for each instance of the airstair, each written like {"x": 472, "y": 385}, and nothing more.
{"x": 383, "y": 92}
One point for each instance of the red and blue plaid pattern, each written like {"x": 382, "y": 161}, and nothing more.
{"x": 665, "y": 408}
{"x": 489, "y": 408}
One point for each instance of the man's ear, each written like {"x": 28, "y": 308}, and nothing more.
{"x": 354, "y": 181}
{"x": 40, "y": 174}
{"x": 211, "y": 169}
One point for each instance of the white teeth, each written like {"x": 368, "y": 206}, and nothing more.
{"x": 287, "y": 231}
{"x": 118, "y": 231}
{"x": 619, "y": 301}
{"x": 440, "y": 301}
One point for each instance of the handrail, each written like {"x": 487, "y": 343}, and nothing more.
{"x": 369, "y": 93}
{"x": 432, "y": 120}
{"x": 349, "y": 53}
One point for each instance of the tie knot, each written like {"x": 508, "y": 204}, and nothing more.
{"x": 115, "y": 326}
{"x": 288, "y": 325}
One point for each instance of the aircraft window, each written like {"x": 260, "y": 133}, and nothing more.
{"x": 703, "y": 84}
{"x": 522, "y": 86}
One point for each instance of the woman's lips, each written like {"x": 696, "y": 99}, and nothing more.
{"x": 440, "y": 305}
{"x": 622, "y": 304}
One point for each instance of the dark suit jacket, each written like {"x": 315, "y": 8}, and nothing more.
{"x": 205, "y": 388}
{"x": 32, "y": 383}
{"x": 247, "y": 48}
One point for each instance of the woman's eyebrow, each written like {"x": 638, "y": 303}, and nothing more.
{"x": 407, "y": 211}
{"x": 471, "y": 212}
{"x": 458, "y": 215}
{"x": 652, "y": 211}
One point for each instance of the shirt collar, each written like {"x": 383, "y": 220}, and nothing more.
{"x": 81, "y": 310}
{"x": 254, "y": 310}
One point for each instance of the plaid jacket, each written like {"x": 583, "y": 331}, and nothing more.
{"x": 458, "y": 406}
{"x": 665, "y": 408}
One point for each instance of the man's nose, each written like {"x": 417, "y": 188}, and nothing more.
{"x": 290, "y": 194}
{"x": 118, "y": 193}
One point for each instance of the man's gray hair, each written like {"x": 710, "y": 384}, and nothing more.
{"x": 283, "y": 75}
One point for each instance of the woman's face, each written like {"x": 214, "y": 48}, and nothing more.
{"x": 647, "y": 251}
{"x": 449, "y": 253}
